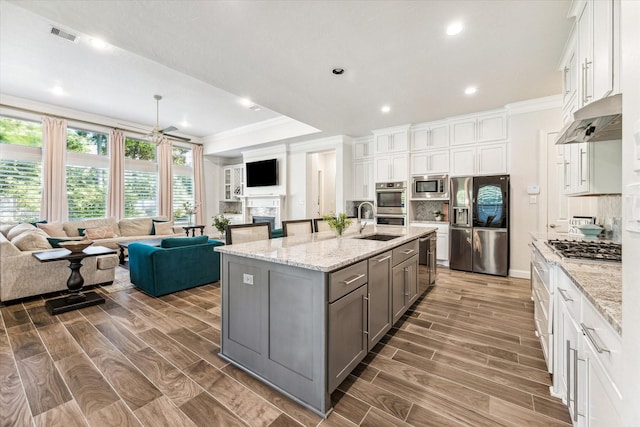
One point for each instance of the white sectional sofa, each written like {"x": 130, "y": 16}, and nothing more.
{"x": 22, "y": 275}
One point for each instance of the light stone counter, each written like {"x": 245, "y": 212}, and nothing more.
{"x": 322, "y": 251}
{"x": 600, "y": 282}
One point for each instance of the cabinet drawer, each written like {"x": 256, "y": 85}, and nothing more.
{"x": 604, "y": 340}
{"x": 570, "y": 295}
{"x": 349, "y": 278}
{"x": 404, "y": 252}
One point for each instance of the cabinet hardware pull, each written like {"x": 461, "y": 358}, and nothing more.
{"x": 354, "y": 279}
{"x": 575, "y": 384}
{"x": 564, "y": 295}
{"x": 592, "y": 337}
{"x": 406, "y": 281}
{"x": 408, "y": 251}
{"x": 568, "y": 373}
{"x": 384, "y": 258}
{"x": 368, "y": 299}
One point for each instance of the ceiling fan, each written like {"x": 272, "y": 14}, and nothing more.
{"x": 157, "y": 133}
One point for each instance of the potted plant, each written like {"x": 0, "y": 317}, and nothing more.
{"x": 220, "y": 222}
{"x": 438, "y": 214}
{"x": 339, "y": 222}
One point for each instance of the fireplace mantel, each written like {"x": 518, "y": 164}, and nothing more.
{"x": 264, "y": 205}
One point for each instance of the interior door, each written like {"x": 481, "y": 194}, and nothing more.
{"x": 557, "y": 217}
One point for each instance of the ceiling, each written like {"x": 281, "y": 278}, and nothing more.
{"x": 203, "y": 56}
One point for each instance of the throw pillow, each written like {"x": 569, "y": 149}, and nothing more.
{"x": 81, "y": 231}
{"x": 104, "y": 232}
{"x": 33, "y": 240}
{"x": 55, "y": 241}
{"x": 53, "y": 229}
{"x": 176, "y": 242}
{"x": 153, "y": 225}
{"x": 5, "y": 228}
{"x": 18, "y": 229}
{"x": 163, "y": 228}
{"x": 42, "y": 221}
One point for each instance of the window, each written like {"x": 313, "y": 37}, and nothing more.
{"x": 87, "y": 174}
{"x": 140, "y": 179}
{"x": 182, "y": 182}
{"x": 20, "y": 169}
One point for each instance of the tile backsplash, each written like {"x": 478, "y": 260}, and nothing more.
{"x": 423, "y": 210}
{"x": 608, "y": 207}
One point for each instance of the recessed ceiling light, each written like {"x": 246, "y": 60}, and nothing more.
{"x": 99, "y": 43}
{"x": 337, "y": 71}
{"x": 454, "y": 28}
{"x": 246, "y": 102}
{"x": 385, "y": 109}
{"x": 185, "y": 124}
{"x": 470, "y": 90}
{"x": 57, "y": 90}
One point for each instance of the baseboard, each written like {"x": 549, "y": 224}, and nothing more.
{"x": 520, "y": 274}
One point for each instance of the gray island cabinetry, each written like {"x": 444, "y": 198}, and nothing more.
{"x": 299, "y": 313}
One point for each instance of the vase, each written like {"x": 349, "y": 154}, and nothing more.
{"x": 339, "y": 233}
{"x": 439, "y": 218}
{"x": 190, "y": 220}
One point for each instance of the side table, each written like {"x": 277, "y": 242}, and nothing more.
{"x": 193, "y": 229}
{"x": 75, "y": 299}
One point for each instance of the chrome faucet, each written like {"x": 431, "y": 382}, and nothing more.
{"x": 373, "y": 210}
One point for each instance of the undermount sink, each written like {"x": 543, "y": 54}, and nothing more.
{"x": 380, "y": 237}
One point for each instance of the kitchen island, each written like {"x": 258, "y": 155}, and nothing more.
{"x": 299, "y": 313}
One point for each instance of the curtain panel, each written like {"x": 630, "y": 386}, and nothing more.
{"x": 165, "y": 178}
{"x": 54, "y": 206}
{"x": 198, "y": 183}
{"x": 115, "y": 198}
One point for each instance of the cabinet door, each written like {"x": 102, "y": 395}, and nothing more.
{"x": 347, "y": 335}
{"x": 569, "y": 74}
{"x": 399, "y": 141}
{"x": 442, "y": 246}
{"x": 582, "y": 166}
{"x": 603, "y": 41}
{"x": 362, "y": 180}
{"x": 463, "y": 161}
{"x": 585, "y": 53}
{"x": 383, "y": 143}
{"x": 227, "y": 183}
{"x": 399, "y": 292}
{"x": 399, "y": 168}
{"x": 439, "y": 136}
{"x": 420, "y": 139}
{"x": 463, "y": 132}
{"x": 380, "y": 311}
{"x": 492, "y": 159}
{"x": 570, "y": 372}
{"x": 420, "y": 163}
{"x": 439, "y": 161}
{"x": 361, "y": 150}
{"x": 382, "y": 169}
{"x": 602, "y": 402}
{"x": 238, "y": 181}
{"x": 492, "y": 128}
{"x": 411, "y": 269}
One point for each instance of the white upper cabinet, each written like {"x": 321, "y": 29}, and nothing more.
{"x": 391, "y": 168}
{"x": 392, "y": 140}
{"x": 595, "y": 44}
{"x": 482, "y": 159}
{"x": 363, "y": 186}
{"x": 482, "y": 128}
{"x": 589, "y": 166}
{"x": 362, "y": 148}
{"x": 233, "y": 181}
{"x": 430, "y": 136}
{"x": 436, "y": 161}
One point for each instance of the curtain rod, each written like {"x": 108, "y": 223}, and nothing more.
{"x": 28, "y": 110}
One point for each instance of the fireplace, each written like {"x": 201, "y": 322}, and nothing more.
{"x": 270, "y": 219}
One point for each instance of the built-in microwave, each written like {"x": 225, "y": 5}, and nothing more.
{"x": 430, "y": 187}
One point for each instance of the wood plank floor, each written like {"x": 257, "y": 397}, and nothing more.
{"x": 464, "y": 355}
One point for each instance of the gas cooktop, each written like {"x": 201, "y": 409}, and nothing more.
{"x": 587, "y": 250}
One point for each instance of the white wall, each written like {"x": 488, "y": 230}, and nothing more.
{"x": 524, "y": 134}
{"x": 630, "y": 34}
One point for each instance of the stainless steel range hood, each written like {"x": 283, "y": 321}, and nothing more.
{"x": 599, "y": 121}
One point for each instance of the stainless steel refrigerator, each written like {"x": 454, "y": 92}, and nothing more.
{"x": 479, "y": 232}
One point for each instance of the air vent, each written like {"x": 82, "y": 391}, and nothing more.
{"x": 61, "y": 33}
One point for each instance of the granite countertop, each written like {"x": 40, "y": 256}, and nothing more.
{"x": 429, "y": 222}
{"x": 322, "y": 251}
{"x": 600, "y": 282}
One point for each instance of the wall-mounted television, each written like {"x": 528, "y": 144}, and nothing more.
{"x": 263, "y": 173}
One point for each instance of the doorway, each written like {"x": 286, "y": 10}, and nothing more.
{"x": 321, "y": 188}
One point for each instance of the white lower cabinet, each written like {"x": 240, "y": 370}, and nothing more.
{"x": 587, "y": 360}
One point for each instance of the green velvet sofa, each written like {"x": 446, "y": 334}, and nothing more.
{"x": 179, "y": 263}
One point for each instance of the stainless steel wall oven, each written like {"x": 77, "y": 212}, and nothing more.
{"x": 391, "y": 198}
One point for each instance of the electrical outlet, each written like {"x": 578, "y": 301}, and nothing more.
{"x": 247, "y": 279}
